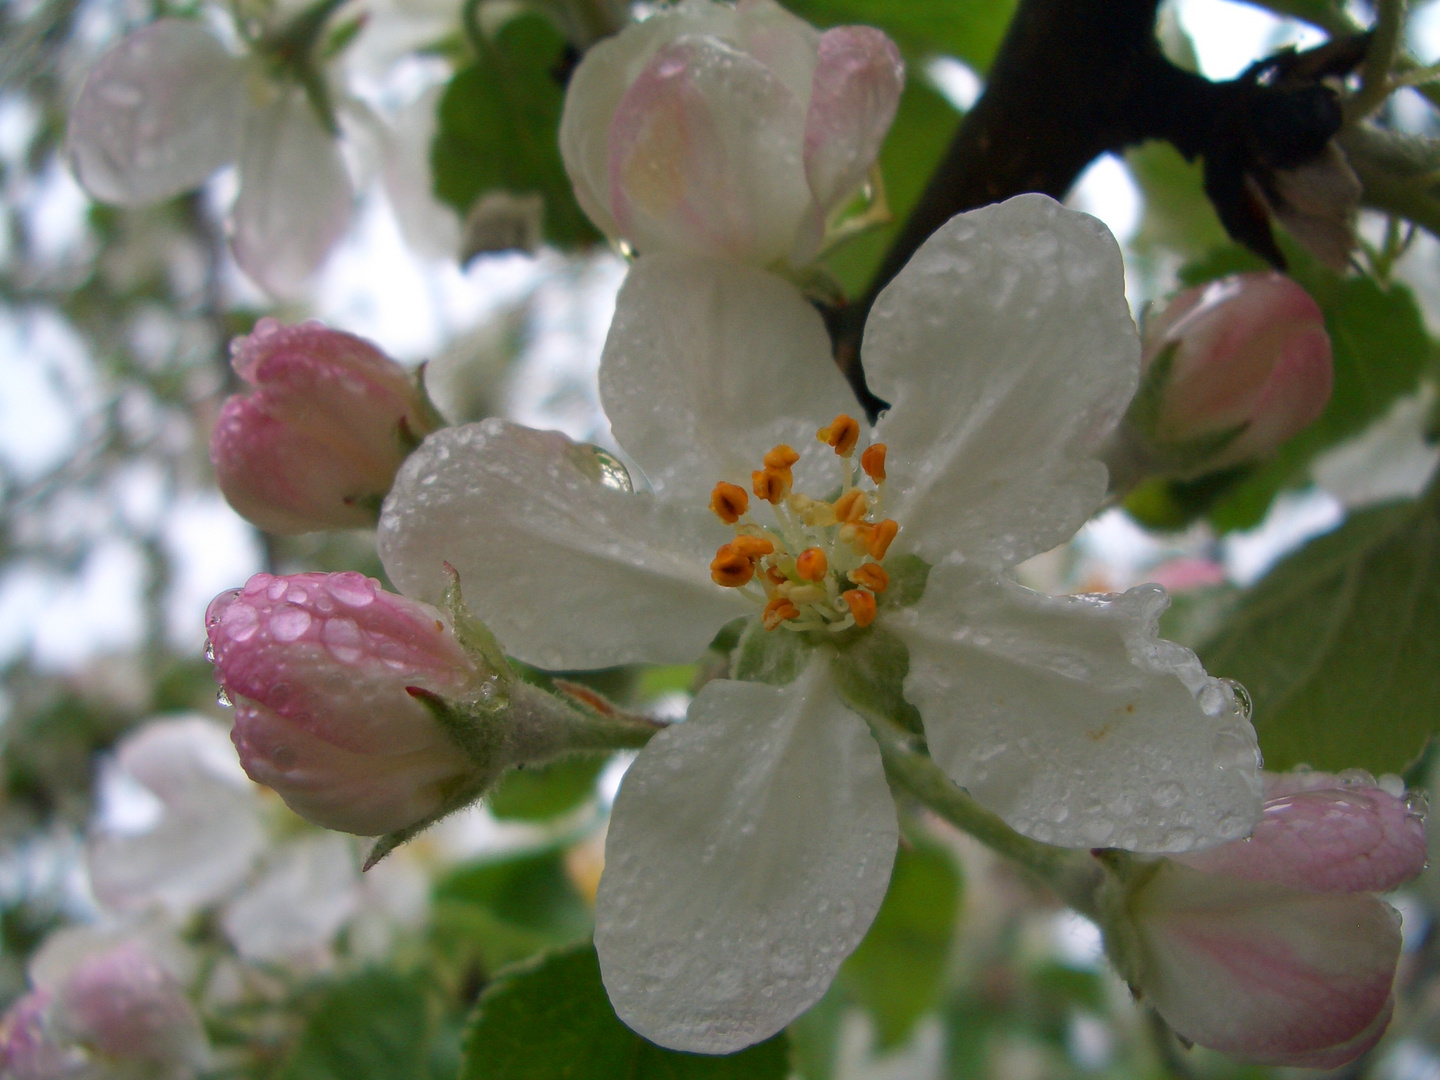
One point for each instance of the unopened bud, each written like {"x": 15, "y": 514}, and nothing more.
{"x": 730, "y": 131}
{"x": 1275, "y": 948}
{"x": 115, "y": 1013}
{"x": 321, "y": 669}
{"x": 317, "y": 442}
{"x": 1232, "y": 370}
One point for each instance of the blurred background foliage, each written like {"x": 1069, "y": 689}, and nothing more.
{"x": 113, "y": 362}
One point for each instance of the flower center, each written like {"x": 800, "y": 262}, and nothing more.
{"x": 818, "y": 567}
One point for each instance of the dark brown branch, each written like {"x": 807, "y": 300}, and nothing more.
{"x": 1076, "y": 78}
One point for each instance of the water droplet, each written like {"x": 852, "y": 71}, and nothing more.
{"x": 222, "y": 698}
{"x": 1168, "y": 794}
{"x": 1356, "y": 778}
{"x": 1244, "y": 704}
{"x": 289, "y": 623}
{"x": 1417, "y": 804}
{"x": 209, "y": 651}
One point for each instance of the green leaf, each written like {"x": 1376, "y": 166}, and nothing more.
{"x": 508, "y": 909}
{"x": 373, "y": 1027}
{"x": 1178, "y": 217}
{"x": 897, "y": 971}
{"x": 922, "y": 129}
{"x": 538, "y": 794}
{"x": 499, "y": 121}
{"x": 1339, "y": 645}
{"x": 551, "y": 1020}
{"x": 971, "y": 31}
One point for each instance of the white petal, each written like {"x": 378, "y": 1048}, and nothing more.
{"x": 857, "y": 90}
{"x": 783, "y": 42}
{"x": 708, "y": 365}
{"x": 1071, "y": 719}
{"x": 749, "y": 850}
{"x": 295, "y": 196}
{"x": 600, "y": 81}
{"x": 157, "y": 114}
{"x": 208, "y": 833}
{"x": 1007, "y": 352}
{"x": 567, "y": 572}
{"x": 306, "y": 893}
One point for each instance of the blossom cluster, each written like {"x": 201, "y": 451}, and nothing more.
{"x": 868, "y": 563}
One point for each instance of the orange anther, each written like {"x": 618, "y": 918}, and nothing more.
{"x": 777, "y": 611}
{"x": 731, "y": 569}
{"x": 811, "y": 565}
{"x": 782, "y": 457}
{"x": 729, "y": 502}
{"x": 878, "y": 542}
{"x": 775, "y": 576}
{"x": 873, "y": 462}
{"x": 772, "y": 485}
{"x": 852, "y": 506}
{"x": 843, "y": 433}
{"x": 752, "y": 547}
{"x": 872, "y": 576}
{"x": 862, "y": 605}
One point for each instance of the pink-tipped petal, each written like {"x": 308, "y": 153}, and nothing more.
{"x": 124, "y": 1005}
{"x": 1341, "y": 840}
{"x": 698, "y": 159}
{"x": 856, "y": 91}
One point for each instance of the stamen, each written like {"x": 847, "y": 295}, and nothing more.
{"x": 872, "y": 576}
{"x": 862, "y": 606}
{"x": 812, "y": 565}
{"x": 873, "y": 462}
{"x": 842, "y": 434}
{"x": 781, "y": 457}
{"x": 880, "y": 537}
{"x": 772, "y": 485}
{"x": 775, "y": 576}
{"x": 730, "y": 568}
{"x": 752, "y": 547}
{"x": 852, "y": 506}
{"x": 802, "y": 594}
{"x": 812, "y": 512}
{"x": 729, "y": 502}
{"x": 777, "y": 611}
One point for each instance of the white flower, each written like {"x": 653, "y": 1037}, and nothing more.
{"x": 750, "y": 846}
{"x": 169, "y": 105}
{"x": 727, "y": 130}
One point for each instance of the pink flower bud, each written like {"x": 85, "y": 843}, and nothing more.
{"x": 317, "y": 443}
{"x": 1274, "y": 949}
{"x": 1246, "y": 354}
{"x": 724, "y": 130}
{"x": 318, "y": 667}
{"x": 115, "y": 1009}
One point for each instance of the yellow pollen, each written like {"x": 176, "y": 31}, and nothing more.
{"x": 872, "y": 576}
{"x": 731, "y": 569}
{"x": 729, "y": 502}
{"x": 777, "y": 611}
{"x": 812, "y": 565}
{"x": 852, "y": 506}
{"x": 880, "y": 537}
{"x": 842, "y": 434}
{"x": 781, "y": 457}
{"x": 873, "y": 462}
{"x": 772, "y": 485}
{"x": 812, "y": 512}
{"x": 862, "y": 606}
{"x": 752, "y": 547}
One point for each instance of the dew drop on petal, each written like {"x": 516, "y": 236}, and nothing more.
{"x": 1244, "y": 704}
{"x": 209, "y": 651}
{"x": 289, "y": 623}
{"x": 222, "y": 698}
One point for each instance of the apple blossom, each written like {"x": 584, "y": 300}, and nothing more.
{"x": 1233, "y": 369}
{"x": 749, "y": 847}
{"x": 316, "y": 443}
{"x": 734, "y": 131}
{"x": 169, "y": 105}
{"x": 116, "y": 1014}
{"x": 1274, "y": 948}
{"x": 318, "y": 667}
{"x": 207, "y": 833}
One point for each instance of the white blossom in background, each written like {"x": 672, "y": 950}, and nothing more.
{"x": 733, "y": 131}
{"x": 169, "y": 105}
{"x": 750, "y": 847}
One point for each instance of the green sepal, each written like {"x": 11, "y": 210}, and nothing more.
{"x": 480, "y": 644}
{"x": 869, "y": 670}
{"x": 769, "y": 656}
{"x": 908, "y": 576}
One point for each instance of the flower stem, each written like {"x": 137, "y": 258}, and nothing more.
{"x": 1074, "y": 875}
